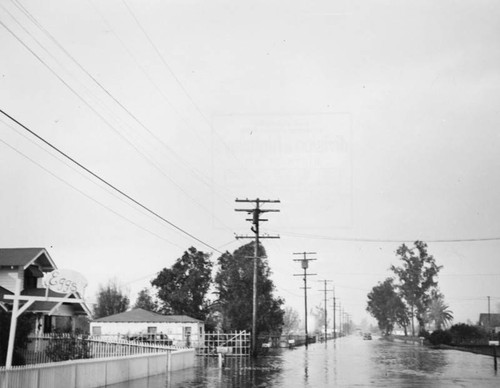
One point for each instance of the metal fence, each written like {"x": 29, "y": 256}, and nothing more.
{"x": 49, "y": 348}
{"x": 236, "y": 343}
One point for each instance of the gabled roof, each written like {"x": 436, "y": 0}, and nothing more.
{"x": 141, "y": 315}
{"x": 24, "y": 257}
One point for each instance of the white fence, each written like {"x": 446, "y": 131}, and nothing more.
{"x": 95, "y": 372}
{"x": 50, "y": 348}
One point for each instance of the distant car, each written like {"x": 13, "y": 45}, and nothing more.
{"x": 367, "y": 336}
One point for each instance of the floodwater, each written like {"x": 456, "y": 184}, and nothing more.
{"x": 346, "y": 362}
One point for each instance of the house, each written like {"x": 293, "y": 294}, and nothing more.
{"x": 29, "y": 265}
{"x": 180, "y": 330}
{"x": 490, "y": 322}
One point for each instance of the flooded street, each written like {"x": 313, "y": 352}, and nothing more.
{"x": 347, "y": 362}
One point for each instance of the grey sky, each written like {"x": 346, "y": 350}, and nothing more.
{"x": 369, "y": 120}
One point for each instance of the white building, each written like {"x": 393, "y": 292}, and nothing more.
{"x": 178, "y": 330}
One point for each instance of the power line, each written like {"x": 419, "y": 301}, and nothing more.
{"x": 381, "y": 240}
{"x": 182, "y": 87}
{"x": 82, "y": 174}
{"x": 109, "y": 184}
{"x": 107, "y": 92}
{"x": 88, "y": 196}
{"x": 129, "y": 113}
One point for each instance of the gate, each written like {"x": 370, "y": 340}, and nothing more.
{"x": 236, "y": 343}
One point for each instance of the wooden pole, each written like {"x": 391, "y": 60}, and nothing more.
{"x": 13, "y": 324}
{"x": 254, "y": 294}
{"x": 495, "y": 357}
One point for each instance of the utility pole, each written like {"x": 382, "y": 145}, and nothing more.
{"x": 326, "y": 315}
{"x": 340, "y": 319}
{"x": 305, "y": 264}
{"x": 255, "y": 212}
{"x": 489, "y": 315}
{"x": 334, "y": 314}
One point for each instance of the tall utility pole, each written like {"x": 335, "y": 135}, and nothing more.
{"x": 255, "y": 212}
{"x": 305, "y": 264}
{"x": 326, "y": 314}
{"x": 334, "y": 308}
{"x": 340, "y": 319}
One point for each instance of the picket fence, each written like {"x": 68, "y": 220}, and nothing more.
{"x": 82, "y": 347}
{"x": 93, "y": 373}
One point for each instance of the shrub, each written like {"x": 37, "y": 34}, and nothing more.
{"x": 463, "y": 334}
{"x": 440, "y": 337}
{"x": 64, "y": 347}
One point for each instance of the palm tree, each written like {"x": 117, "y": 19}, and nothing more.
{"x": 439, "y": 312}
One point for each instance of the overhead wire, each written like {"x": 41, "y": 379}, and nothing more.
{"x": 107, "y": 92}
{"x": 157, "y": 88}
{"x": 87, "y": 195}
{"x": 382, "y": 240}
{"x": 87, "y": 177}
{"x": 173, "y": 225}
{"x": 136, "y": 148}
{"x": 182, "y": 87}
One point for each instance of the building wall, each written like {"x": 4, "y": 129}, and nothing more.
{"x": 8, "y": 278}
{"x": 174, "y": 330}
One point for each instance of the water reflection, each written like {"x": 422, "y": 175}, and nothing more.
{"x": 346, "y": 362}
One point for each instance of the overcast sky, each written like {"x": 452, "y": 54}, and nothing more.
{"x": 373, "y": 122}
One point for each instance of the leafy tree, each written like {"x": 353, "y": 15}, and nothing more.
{"x": 183, "y": 288}
{"x": 111, "y": 300}
{"x": 290, "y": 320}
{"x": 439, "y": 312}
{"x": 386, "y": 306}
{"x": 234, "y": 284}
{"x": 145, "y": 301}
{"x": 416, "y": 279}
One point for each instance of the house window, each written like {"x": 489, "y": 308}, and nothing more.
{"x": 187, "y": 335}
{"x": 96, "y": 330}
